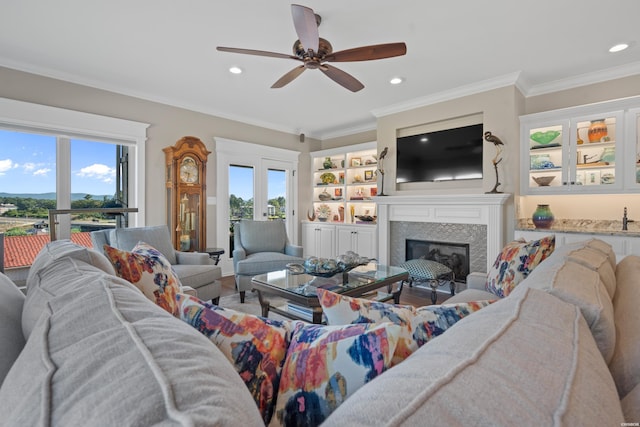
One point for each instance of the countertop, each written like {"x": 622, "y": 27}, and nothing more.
{"x": 585, "y": 226}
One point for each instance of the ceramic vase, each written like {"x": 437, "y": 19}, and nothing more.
{"x": 597, "y": 130}
{"x": 543, "y": 217}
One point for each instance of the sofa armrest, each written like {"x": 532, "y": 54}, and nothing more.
{"x": 189, "y": 291}
{"x": 476, "y": 280}
{"x": 293, "y": 250}
{"x": 193, "y": 258}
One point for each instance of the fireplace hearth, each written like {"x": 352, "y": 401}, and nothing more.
{"x": 453, "y": 255}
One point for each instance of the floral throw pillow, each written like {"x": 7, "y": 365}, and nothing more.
{"x": 327, "y": 364}
{"x": 147, "y": 269}
{"x": 417, "y": 325}
{"x": 255, "y": 346}
{"x": 514, "y": 263}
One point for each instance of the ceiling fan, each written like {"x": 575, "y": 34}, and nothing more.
{"x": 315, "y": 52}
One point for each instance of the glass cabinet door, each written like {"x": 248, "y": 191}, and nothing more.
{"x": 595, "y": 151}
{"x": 547, "y": 153}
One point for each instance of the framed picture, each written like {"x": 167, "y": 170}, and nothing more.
{"x": 368, "y": 175}
{"x": 337, "y": 192}
{"x": 355, "y": 161}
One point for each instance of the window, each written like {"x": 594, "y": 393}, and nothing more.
{"x": 54, "y": 153}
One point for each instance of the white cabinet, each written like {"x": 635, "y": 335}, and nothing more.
{"x": 360, "y": 239}
{"x": 319, "y": 240}
{"x": 331, "y": 240}
{"x": 586, "y": 149}
{"x": 344, "y": 180}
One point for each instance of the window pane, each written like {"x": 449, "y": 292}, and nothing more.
{"x": 27, "y": 192}
{"x": 240, "y": 197}
{"x": 93, "y": 183}
{"x": 276, "y": 193}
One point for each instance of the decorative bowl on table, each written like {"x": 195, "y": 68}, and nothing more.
{"x": 326, "y": 267}
{"x": 543, "y": 181}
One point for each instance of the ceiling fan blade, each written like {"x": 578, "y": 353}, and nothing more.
{"x": 288, "y": 78}
{"x": 342, "y": 78}
{"x": 368, "y": 53}
{"x": 306, "y": 26}
{"x": 256, "y": 52}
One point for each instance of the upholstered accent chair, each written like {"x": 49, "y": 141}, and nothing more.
{"x": 260, "y": 247}
{"x": 194, "y": 269}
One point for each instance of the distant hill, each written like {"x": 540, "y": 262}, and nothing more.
{"x": 52, "y": 196}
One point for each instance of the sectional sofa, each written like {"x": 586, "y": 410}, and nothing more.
{"x": 85, "y": 347}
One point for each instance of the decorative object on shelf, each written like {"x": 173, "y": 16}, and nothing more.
{"x": 368, "y": 175}
{"x": 341, "y": 179}
{"x": 541, "y": 161}
{"x": 598, "y": 131}
{"x": 543, "y": 181}
{"x": 352, "y": 212}
{"x": 311, "y": 217}
{"x": 328, "y": 178}
{"x": 381, "y": 157}
{"x": 323, "y": 212}
{"x": 324, "y": 196}
{"x": 341, "y": 213}
{"x": 579, "y": 140}
{"x": 608, "y": 155}
{"x": 327, "y": 164}
{"x": 355, "y": 161}
{"x": 488, "y": 136}
{"x": 607, "y": 178}
{"x": 544, "y": 138}
{"x": 543, "y": 217}
{"x": 366, "y": 218}
{"x": 373, "y": 191}
{"x": 338, "y": 192}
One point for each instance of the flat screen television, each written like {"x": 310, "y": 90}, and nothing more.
{"x": 445, "y": 155}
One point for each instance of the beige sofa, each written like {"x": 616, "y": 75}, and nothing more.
{"x": 86, "y": 348}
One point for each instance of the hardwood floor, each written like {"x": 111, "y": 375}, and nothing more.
{"x": 416, "y": 296}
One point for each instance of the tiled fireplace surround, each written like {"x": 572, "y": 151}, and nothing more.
{"x": 475, "y": 219}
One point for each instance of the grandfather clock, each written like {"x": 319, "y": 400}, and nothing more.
{"x": 186, "y": 168}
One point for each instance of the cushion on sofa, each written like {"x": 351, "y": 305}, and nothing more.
{"x": 605, "y": 248}
{"x": 325, "y": 365}
{"x": 631, "y": 405}
{"x": 36, "y": 296}
{"x": 104, "y": 355}
{"x": 11, "y": 303}
{"x": 597, "y": 261}
{"x": 625, "y": 364}
{"x": 576, "y": 284}
{"x": 256, "y": 346}
{"x": 514, "y": 263}
{"x": 417, "y": 325}
{"x": 148, "y": 270}
{"x": 529, "y": 359}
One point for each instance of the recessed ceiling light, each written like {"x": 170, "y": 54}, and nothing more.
{"x": 396, "y": 80}
{"x": 619, "y": 47}
{"x": 235, "y": 70}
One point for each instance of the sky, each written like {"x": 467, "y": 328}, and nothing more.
{"x": 28, "y": 165}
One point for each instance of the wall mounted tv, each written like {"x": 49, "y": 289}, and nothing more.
{"x": 445, "y": 155}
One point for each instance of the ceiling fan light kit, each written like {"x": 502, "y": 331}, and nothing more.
{"x": 314, "y": 52}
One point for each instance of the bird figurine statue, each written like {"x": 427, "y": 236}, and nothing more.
{"x": 381, "y": 157}
{"x": 488, "y": 136}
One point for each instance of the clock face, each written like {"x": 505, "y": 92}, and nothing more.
{"x": 189, "y": 171}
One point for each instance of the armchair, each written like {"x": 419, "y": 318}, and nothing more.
{"x": 194, "y": 269}
{"x": 260, "y": 247}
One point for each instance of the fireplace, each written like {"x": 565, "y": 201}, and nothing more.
{"x": 453, "y": 255}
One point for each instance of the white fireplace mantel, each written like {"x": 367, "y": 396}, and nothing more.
{"x": 484, "y": 209}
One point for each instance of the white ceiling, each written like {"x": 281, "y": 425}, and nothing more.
{"x": 164, "y": 50}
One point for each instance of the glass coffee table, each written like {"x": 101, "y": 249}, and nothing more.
{"x": 300, "y": 289}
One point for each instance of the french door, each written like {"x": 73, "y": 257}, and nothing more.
{"x": 253, "y": 182}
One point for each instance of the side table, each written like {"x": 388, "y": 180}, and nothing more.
{"x": 215, "y": 253}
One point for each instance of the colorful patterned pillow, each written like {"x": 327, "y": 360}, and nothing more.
{"x": 255, "y": 346}
{"x": 147, "y": 269}
{"x": 417, "y": 325}
{"x": 327, "y": 364}
{"x": 515, "y": 262}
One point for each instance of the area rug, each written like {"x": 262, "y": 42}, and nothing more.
{"x": 251, "y": 304}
